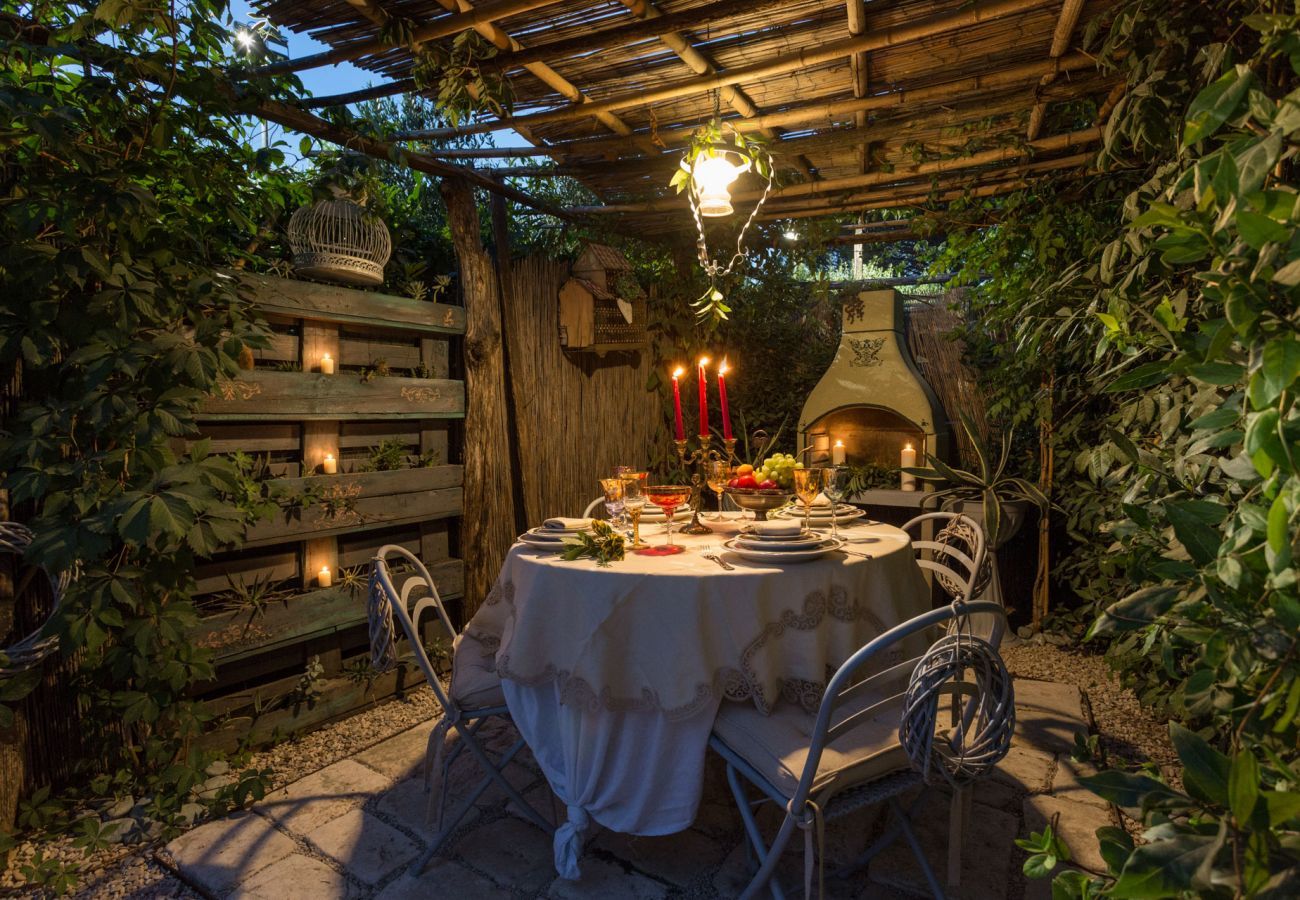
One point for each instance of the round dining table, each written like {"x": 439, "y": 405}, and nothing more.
{"x": 614, "y": 674}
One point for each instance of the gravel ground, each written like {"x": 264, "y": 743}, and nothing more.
{"x": 133, "y": 872}
{"x": 1130, "y": 733}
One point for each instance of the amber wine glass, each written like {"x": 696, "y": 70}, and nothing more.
{"x": 807, "y": 485}
{"x": 634, "y": 501}
{"x": 667, "y": 497}
{"x": 718, "y": 473}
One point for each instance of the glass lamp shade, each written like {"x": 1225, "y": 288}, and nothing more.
{"x": 711, "y": 176}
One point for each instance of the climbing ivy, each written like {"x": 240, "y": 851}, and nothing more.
{"x": 127, "y": 183}
{"x": 1148, "y": 326}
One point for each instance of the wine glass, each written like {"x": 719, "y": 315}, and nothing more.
{"x": 667, "y": 497}
{"x": 634, "y": 501}
{"x": 718, "y": 474}
{"x": 614, "y": 502}
{"x": 807, "y": 485}
{"x": 835, "y": 483}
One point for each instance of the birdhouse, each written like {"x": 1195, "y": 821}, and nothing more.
{"x": 602, "y": 308}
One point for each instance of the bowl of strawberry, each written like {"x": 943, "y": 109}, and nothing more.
{"x": 759, "y": 497}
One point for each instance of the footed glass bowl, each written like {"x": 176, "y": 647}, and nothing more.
{"x": 759, "y": 502}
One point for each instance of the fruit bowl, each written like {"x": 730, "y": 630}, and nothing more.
{"x": 759, "y": 501}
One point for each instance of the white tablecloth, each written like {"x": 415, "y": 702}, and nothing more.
{"x": 614, "y": 675}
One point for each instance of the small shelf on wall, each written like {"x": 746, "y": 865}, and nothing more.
{"x": 332, "y": 303}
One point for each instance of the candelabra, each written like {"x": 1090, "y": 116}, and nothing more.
{"x": 699, "y": 459}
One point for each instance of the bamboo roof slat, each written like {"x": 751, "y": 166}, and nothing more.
{"x": 866, "y": 100}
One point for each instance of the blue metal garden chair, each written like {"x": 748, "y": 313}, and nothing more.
{"x": 851, "y": 754}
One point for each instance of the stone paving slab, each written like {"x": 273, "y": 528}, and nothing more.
{"x": 401, "y": 756}
{"x": 368, "y": 848}
{"x": 310, "y": 802}
{"x": 296, "y": 877}
{"x": 218, "y": 855}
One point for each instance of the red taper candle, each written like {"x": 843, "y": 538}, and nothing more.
{"x": 704, "y": 398}
{"x": 722, "y": 399}
{"x": 679, "y": 431}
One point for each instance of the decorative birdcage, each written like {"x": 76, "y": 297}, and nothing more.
{"x": 602, "y": 308}
{"x": 339, "y": 240}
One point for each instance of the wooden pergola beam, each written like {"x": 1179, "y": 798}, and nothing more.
{"x": 640, "y": 29}
{"x": 951, "y": 180}
{"x": 701, "y": 64}
{"x": 438, "y": 28}
{"x": 887, "y": 201}
{"x": 828, "y": 111}
{"x": 859, "y": 69}
{"x": 1065, "y": 24}
{"x": 1056, "y": 143}
{"x": 790, "y": 62}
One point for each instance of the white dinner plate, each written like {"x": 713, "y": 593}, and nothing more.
{"x": 824, "y": 519}
{"x": 658, "y": 518}
{"x": 783, "y": 556}
{"x": 554, "y": 545}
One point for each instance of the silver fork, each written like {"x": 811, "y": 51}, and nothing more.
{"x": 707, "y": 553}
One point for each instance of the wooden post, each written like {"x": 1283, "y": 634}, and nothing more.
{"x": 13, "y": 756}
{"x": 488, "y": 524}
{"x": 505, "y": 283}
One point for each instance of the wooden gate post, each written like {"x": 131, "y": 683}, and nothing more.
{"x": 487, "y": 528}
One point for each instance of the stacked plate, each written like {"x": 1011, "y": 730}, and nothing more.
{"x": 798, "y": 546}
{"x": 653, "y": 515}
{"x": 552, "y": 539}
{"x": 821, "y": 516}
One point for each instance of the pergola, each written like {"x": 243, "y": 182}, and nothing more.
{"x": 866, "y": 105}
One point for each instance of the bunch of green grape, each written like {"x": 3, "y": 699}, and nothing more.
{"x": 778, "y": 467}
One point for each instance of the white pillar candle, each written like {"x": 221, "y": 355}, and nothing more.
{"x": 908, "y": 458}
{"x": 325, "y": 578}
{"x": 327, "y": 364}
{"x": 331, "y": 465}
{"x": 837, "y": 454}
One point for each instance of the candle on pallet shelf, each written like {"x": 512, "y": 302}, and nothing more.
{"x": 908, "y": 458}
{"x": 837, "y": 454}
{"x": 679, "y": 432}
{"x": 326, "y": 364}
{"x": 331, "y": 465}
{"x": 722, "y": 399}
{"x": 704, "y": 397}
{"x": 326, "y": 577}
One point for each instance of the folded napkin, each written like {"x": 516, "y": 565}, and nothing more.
{"x": 791, "y": 528}
{"x": 821, "y": 500}
{"x": 560, "y": 523}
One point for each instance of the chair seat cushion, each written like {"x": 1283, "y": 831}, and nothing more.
{"x": 475, "y": 683}
{"x": 776, "y": 746}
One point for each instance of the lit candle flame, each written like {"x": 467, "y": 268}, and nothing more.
{"x": 723, "y": 368}
{"x": 678, "y": 372}
{"x": 704, "y": 361}
{"x": 839, "y": 443}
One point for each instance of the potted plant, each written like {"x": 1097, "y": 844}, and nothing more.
{"x": 990, "y": 495}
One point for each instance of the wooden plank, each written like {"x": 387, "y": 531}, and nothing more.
{"x": 270, "y": 396}
{"x": 338, "y": 697}
{"x": 334, "y": 303}
{"x": 232, "y": 637}
{"x": 214, "y": 576}
{"x": 362, "y": 352}
{"x": 253, "y": 438}
{"x": 379, "y": 499}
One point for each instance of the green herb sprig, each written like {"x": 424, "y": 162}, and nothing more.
{"x": 602, "y": 543}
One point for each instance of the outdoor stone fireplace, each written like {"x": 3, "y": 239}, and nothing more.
{"x": 873, "y": 398}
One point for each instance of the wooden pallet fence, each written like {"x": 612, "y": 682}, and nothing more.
{"x": 390, "y": 400}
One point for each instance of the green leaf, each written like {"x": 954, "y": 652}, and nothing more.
{"x": 1127, "y": 789}
{"x": 1217, "y": 372}
{"x": 1279, "y": 520}
{"x": 1162, "y": 868}
{"x": 1215, "y": 104}
{"x": 1142, "y": 377}
{"x": 1280, "y": 365}
{"x": 1258, "y": 230}
{"x": 1243, "y": 786}
{"x": 1205, "y": 770}
{"x": 1192, "y": 520}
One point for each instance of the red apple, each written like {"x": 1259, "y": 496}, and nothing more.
{"x": 768, "y": 485}
{"x": 733, "y": 483}
{"x": 746, "y": 481}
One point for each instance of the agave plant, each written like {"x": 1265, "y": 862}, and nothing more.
{"x": 990, "y": 485}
